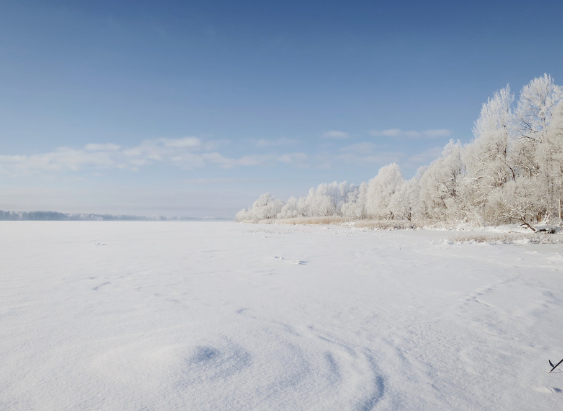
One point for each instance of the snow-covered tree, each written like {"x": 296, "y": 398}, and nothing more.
{"x": 325, "y": 200}
{"x": 266, "y": 207}
{"x": 519, "y": 200}
{"x": 290, "y": 209}
{"x": 550, "y": 155}
{"x": 404, "y": 203}
{"x": 487, "y": 158}
{"x": 440, "y": 185}
{"x": 535, "y": 108}
{"x": 381, "y": 189}
{"x": 355, "y": 206}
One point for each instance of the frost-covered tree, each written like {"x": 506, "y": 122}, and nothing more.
{"x": 355, "y": 206}
{"x": 405, "y": 201}
{"x": 513, "y": 146}
{"x": 533, "y": 115}
{"x": 290, "y": 209}
{"x": 318, "y": 204}
{"x": 488, "y": 158}
{"x": 550, "y": 155}
{"x": 325, "y": 200}
{"x": 519, "y": 200}
{"x": 535, "y": 107}
{"x": 266, "y": 207}
{"x": 381, "y": 189}
{"x": 441, "y": 185}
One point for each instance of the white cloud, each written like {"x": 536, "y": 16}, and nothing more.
{"x": 186, "y": 153}
{"x": 253, "y": 160}
{"x": 275, "y": 143}
{"x": 335, "y": 134}
{"x": 139, "y": 162}
{"x": 187, "y": 160}
{"x": 186, "y": 142}
{"x": 378, "y": 159}
{"x": 392, "y": 132}
{"x": 102, "y": 147}
{"x": 292, "y": 158}
{"x": 439, "y": 132}
{"x": 206, "y": 181}
{"x": 425, "y": 157}
{"x": 413, "y": 134}
{"x": 149, "y": 149}
{"x": 61, "y": 159}
{"x": 225, "y": 162}
{"x": 397, "y": 132}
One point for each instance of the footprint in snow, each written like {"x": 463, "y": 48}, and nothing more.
{"x": 297, "y": 262}
{"x": 96, "y": 288}
{"x": 548, "y": 390}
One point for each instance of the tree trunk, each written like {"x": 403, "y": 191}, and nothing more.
{"x": 528, "y": 225}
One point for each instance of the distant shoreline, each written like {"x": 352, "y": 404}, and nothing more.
{"x": 57, "y": 216}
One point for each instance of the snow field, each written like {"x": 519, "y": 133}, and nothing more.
{"x": 226, "y": 316}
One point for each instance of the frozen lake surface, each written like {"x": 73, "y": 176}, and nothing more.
{"x": 226, "y": 316}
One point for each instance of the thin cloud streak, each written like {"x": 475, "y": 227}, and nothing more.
{"x": 425, "y": 157}
{"x": 186, "y": 153}
{"x": 360, "y": 148}
{"x": 397, "y": 132}
{"x": 293, "y": 158}
{"x": 209, "y": 181}
{"x": 276, "y": 142}
{"x": 102, "y": 147}
{"x": 335, "y": 134}
{"x": 380, "y": 158}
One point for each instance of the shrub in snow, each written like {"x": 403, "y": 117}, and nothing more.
{"x": 506, "y": 239}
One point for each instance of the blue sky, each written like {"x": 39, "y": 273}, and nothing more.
{"x": 194, "y": 108}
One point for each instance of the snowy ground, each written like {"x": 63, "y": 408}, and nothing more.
{"x": 226, "y": 316}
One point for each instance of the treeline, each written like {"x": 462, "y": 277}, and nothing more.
{"x": 511, "y": 171}
{"x": 56, "y": 216}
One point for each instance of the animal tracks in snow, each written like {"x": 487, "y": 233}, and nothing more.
{"x": 96, "y": 288}
{"x": 296, "y": 262}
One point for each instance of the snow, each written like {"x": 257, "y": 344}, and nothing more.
{"x": 227, "y": 316}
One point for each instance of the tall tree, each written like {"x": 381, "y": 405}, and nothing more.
{"x": 441, "y": 185}
{"x": 404, "y": 203}
{"x": 533, "y": 116}
{"x": 550, "y": 155}
{"x": 488, "y": 157}
{"x": 355, "y": 206}
{"x": 381, "y": 189}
